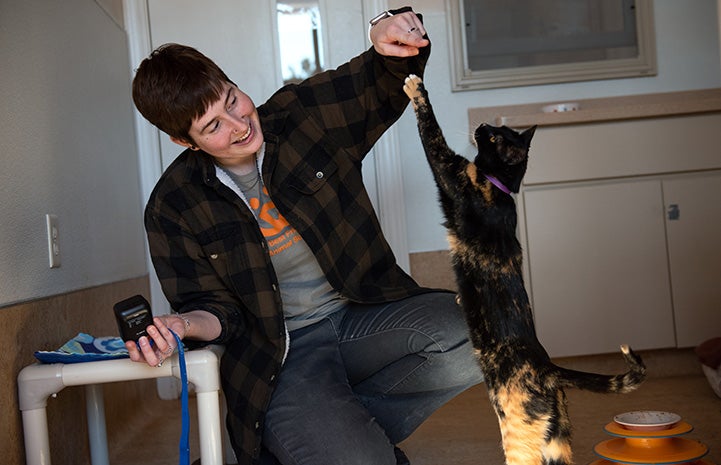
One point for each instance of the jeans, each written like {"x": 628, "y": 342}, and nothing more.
{"x": 363, "y": 379}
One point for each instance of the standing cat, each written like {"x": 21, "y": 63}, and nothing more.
{"x": 524, "y": 386}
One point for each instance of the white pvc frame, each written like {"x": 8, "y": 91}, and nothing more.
{"x": 39, "y": 381}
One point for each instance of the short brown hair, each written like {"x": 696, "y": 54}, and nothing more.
{"x": 174, "y": 86}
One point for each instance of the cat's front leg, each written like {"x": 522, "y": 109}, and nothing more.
{"x": 445, "y": 164}
{"x": 431, "y": 135}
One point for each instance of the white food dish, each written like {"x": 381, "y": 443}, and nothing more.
{"x": 647, "y": 420}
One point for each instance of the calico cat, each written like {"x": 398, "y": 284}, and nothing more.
{"x": 524, "y": 386}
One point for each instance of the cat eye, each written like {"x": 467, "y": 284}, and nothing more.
{"x": 493, "y": 139}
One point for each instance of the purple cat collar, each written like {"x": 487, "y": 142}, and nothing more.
{"x": 497, "y": 183}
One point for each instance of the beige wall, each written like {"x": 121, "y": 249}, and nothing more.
{"x": 433, "y": 269}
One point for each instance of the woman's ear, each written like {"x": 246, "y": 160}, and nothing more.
{"x": 183, "y": 143}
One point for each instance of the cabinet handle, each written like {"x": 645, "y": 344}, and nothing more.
{"x": 674, "y": 212}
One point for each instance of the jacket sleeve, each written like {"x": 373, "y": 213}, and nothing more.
{"x": 358, "y": 101}
{"x": 187, "y": 279}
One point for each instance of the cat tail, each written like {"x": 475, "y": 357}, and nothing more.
{"x": 621, "y": 383}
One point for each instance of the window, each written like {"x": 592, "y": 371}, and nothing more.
{"x": 506, "y": 43}
{"x": 299, "y": 32}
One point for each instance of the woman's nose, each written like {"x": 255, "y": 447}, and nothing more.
{"x": 239, "y": 126}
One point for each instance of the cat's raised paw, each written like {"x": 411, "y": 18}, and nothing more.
{"x": 412, "y": 87}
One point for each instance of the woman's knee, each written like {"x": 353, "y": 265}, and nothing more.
{"x": 449, "y": 327}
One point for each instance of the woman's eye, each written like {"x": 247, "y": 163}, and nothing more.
{"x": 232, "y": 103}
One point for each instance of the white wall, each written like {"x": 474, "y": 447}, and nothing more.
{"x": 67, "y": 132}
{"x": 687, "y": 43}
{"x": 67, "y": 148}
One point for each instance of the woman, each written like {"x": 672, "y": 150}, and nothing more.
{"x": 265, "y": 241}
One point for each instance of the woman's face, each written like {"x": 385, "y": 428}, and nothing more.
{"x": 229, "y": 130}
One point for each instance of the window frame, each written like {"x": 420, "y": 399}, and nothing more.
{"x": 463, "y": 78}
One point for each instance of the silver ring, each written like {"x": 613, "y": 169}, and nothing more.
{"x": 169, "y": 351}
{"x": 412, "y": 29}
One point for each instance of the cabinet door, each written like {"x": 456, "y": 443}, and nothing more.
{"x": 598, "y": 267}
{"x": 693, "y": 225}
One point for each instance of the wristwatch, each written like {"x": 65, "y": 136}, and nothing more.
{"x": 378, "y": 18}
{"x": 387, "y": 14}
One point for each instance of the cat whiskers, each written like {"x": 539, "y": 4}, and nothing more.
{"x": 468, "y": 135}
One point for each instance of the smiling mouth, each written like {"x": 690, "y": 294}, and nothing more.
{"x": 245, "y": 136}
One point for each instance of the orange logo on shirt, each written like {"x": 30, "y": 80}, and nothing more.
{"x": 279, "y": 234}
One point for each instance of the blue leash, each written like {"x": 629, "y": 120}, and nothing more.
{"x": 184, "y": 445}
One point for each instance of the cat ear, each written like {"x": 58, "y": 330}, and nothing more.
{"x": 528, "y": 134}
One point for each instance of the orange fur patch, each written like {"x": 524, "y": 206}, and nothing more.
{"x": 523, "y": 438}
{"x": 472, "y": 173}
{"x": 453, "y": 242}
{"x": 485, "y": 188}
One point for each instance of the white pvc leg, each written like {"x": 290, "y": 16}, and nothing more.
{"x": 37, "y": 443}
{"x": 35, "y": 384}
{"x": 97, "y": 434}
{"x": 211, "y": 440}
{"x": 205, "y": 376}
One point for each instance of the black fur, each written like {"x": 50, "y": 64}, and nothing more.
{"x": 525, "y": 387}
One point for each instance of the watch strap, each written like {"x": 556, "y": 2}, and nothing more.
{"x": 388, "y": 13}
{"x": 379, "y": 17}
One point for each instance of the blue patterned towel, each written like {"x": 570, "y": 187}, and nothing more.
{"x": 85, "y": 348}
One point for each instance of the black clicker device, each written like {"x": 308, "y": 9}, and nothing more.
{"x": 133, "y": 316}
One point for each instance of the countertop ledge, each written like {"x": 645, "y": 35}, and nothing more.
{"x": 600, "y": 109}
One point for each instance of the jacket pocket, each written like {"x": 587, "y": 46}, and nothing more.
{"x": 309, "y": 177}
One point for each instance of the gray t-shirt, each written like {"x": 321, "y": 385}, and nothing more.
{"x": 307, "y": 295}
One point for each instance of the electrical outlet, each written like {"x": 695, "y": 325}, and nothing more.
{"x": 53, "y": 240}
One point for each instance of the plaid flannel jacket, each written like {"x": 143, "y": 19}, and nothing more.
{"x": 209, "y": 253}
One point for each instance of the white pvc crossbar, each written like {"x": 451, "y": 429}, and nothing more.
{"x": 39, "y": 381}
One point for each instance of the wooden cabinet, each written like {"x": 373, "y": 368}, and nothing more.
{"x": 598, "y": 267}
{"x": 620, "y": 220}
{"x": 631, "y": 261}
